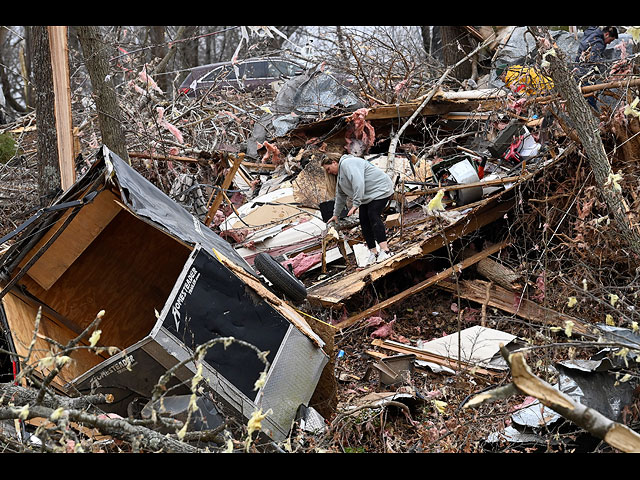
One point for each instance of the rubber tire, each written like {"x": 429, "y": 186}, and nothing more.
{"x": 280, "y": 277}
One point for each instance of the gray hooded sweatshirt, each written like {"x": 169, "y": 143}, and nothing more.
{"x": 360, "y": 181}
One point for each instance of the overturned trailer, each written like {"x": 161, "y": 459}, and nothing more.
{"x": 167, "y": 284}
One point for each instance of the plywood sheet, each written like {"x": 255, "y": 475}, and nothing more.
{"x": 78, "y": 235}
{"x": 21, "y": 319}
{"x": 128, "y": 271}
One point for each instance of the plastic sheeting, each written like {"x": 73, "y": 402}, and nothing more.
{"x": 521, "y": 48}
{"x": 302, "y": 97}
{"x": 147, "y": 201}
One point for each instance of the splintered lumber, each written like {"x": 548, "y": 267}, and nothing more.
{"x": 225, "y": 185}
{"x": 422, "y": 285}
{"x": 495, "y": 296}
{"x": 425, "y": 356}
{"x": 461, "y": 186}
{"x": 62, "y": 103}
{"x": 333, "y": 293}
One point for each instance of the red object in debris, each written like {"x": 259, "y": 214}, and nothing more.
{"x": 512, "y": 153}
{"x": 481, "y": 168}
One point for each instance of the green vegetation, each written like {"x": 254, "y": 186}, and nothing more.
{"x": 8, "y": 148}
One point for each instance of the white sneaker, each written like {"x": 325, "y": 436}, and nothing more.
{"x": 371, "y": 259}
{"x": 382, "y": 256}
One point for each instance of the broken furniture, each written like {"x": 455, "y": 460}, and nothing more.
{"x": 167, "y": 284}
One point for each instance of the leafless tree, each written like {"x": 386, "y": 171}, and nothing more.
{"x": 48, "y": 169}
{"x": 96, "y": 58}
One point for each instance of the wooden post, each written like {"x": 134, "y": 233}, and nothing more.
{"x": 59, "y": 51}
{"x": 225, "y": 184}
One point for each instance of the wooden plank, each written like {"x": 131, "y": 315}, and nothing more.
{"x": 432, "y": 357}
{"x": 21, "y": 319}
{"x": 509, "y": 301}
{"x": 336, "y": 292}
{"x": 59, "y": 51}
{"x": 128, "y": 271}
{"x": 226, "y": 183}
{"x": 422, "y": 285}
{"x": 85, "y": 227}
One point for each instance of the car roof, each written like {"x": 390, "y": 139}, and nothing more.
{"x": 196, "y": 72}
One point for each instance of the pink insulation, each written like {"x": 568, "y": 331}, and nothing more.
{"x": 303, "y": 262}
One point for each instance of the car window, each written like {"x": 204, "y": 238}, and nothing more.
{"x": 254, "y": 70}
{"x": 277, "y": 69}
{"x": 213, "y": 75}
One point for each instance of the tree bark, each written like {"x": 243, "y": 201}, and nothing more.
{"x": 109, "y": 116}
{"x": 425, "y": 31}
{"x": 341, "y": 45}
{"x": 48, "y": 169}
{"x": 183, "y": 32}
{"x": 159, "y": 50}
{"x": 456, "y": 45}
{"x": 4, "y": 78}
{"x": 588, "y": 132}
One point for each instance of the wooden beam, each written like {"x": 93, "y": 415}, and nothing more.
{"x": 334, "y": 293}
{"x": 461, "y": 186}
{"x": 59, "y": 51}
{"x": 511, "y": 302}
{"x": 226, "y": 183}
{"x": 630, "y": 82}
{"x": 422, "y": 285}
{"x": 425, "y": 356}
{"x": 154, "y": 156}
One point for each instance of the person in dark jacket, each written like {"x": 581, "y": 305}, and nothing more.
{"x": 592, "y": 45}
{"x": 590, "y": 56}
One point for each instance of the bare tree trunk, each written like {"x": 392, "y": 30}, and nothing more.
{"x": 183, "y": 32}
{"x": 456, "y": 45}
{"x": 341, "y": 45}
{"x": 189, "y": 49}
{"x": 4, "y": 79}
{"x": 48, "y": 169}
{"x": 28, "y": 40}
{"x": 109, "y": 116}
{"x": 586, "y": 126}
{"x": 159, "y": 50}
{"x": 426, "y": 39}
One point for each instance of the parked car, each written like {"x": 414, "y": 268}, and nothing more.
{"x": 251, "y": 74}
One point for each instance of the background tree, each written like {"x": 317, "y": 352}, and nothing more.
{"x": 456, "y": 45}
{"x": 95, "y": 54}
{"x": 48, "y": 167}
{"x": 8, "y": 57}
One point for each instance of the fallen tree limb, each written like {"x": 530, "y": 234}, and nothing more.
{"x": 23, "y": 396}
{"x": 588, "y": 132}
{"x": 615, "y": 434}
{"x": 117, "y": 428}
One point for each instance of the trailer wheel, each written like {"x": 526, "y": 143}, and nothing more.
{"x": 281, "y": 279}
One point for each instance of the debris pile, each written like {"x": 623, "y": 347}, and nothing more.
{"x": 500, "y": 244}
